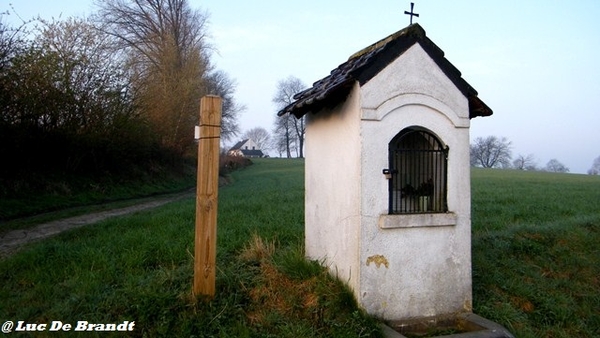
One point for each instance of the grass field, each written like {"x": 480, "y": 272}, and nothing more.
{"x": 535, "y": 258}
{"x": 536, "y": 253}
{"x": 139, "y": 268}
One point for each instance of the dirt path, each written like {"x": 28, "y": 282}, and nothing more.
{"x": 11, "y": 241}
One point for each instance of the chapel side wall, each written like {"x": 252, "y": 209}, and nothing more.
{"x": 420, "y": 271}
{"x": 332, "y": 184}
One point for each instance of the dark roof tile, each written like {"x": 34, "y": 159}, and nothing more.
{"x": 239, "y": 144}
{"x": 252, "y": 152}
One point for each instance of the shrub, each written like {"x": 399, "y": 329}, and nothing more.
{"x": 228, "y": 163}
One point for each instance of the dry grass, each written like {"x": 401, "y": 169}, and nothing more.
{"x": 292, "y": 295}
{"x": 257, "y": 250}
{"x": 279, "y": 296}
{"x": 276, "y": 292}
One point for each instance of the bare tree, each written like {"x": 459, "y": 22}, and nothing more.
{"x": 287, "y": 124}
{"x": 523, "y": 162}
{"x": 300, "y": 128}
{"x": 595, "y": 169}
{"x": 283, "y": 135}
{"x": 11, "y": 41}
{"x": 491, "y": 152}
{"x": 282, "y": 139}
{"x": 219, "y": 83}
{"x": 556, "y": 166}
{"x": 260, "y": 136}
{"x": 168, "y": 59}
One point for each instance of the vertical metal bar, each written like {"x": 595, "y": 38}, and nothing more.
{"x": 413, "y": 169}
{"x": 430, "y": 173}
{"x": 427, "y": 170}
{"x": 434, "y": 180}
{"x": 445, "y": 194}
{"x": 438, "y": 181}
{"x": 403, "y": 166}
{"x": 401, "y": 174}
{"x": 440, "y": 177}
{"x": 392, "y": 160}
{"x": 416, "y": 170}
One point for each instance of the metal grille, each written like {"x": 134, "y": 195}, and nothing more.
{"x": 418, "y": 166}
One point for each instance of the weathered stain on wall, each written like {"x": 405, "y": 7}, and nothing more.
{"x": 378, "y": 260}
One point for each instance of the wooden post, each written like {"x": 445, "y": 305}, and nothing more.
{"x": 207, "y": 188}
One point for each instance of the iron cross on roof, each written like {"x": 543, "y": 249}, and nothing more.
{"x": 411, "y": 13}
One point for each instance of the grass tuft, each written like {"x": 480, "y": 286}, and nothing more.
{"x": 257, "y": 250}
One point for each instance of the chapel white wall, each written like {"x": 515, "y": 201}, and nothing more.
{"x": 428, "y": 270}
{"x": 332, "y": 183}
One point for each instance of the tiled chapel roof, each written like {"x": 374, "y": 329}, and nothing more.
{"x": 365, "y": 64}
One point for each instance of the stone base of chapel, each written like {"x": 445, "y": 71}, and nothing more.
{"x": 464, "y": 325}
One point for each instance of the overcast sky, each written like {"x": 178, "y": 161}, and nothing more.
{"x": 535, "y": 62}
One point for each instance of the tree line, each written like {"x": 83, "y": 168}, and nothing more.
{"x": 487, "y": 152}
{"x": 111, "y": 94}
{"x": 288, "y": 135}
{"x": 496, "y": 152}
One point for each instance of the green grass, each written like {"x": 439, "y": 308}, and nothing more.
{"x": 502, "y": 199}
{"x": 535, "y": 258}
{"x": 139, "y": 268}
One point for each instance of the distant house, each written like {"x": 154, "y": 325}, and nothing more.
{"x": 245, "y": 148}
